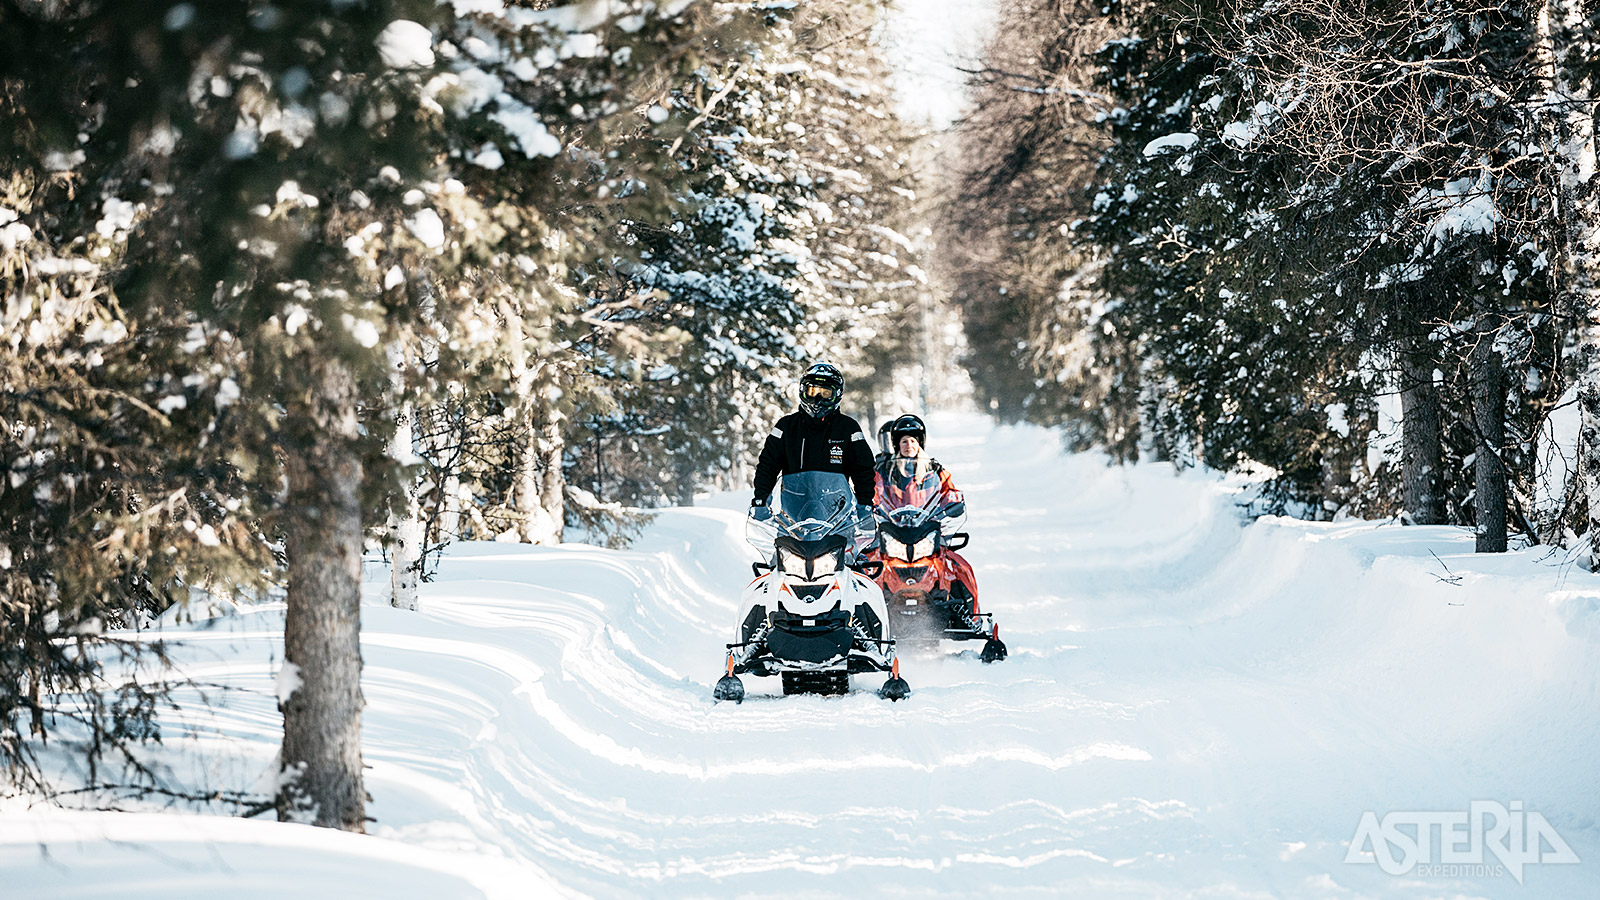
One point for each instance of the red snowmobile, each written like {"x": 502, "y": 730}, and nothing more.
{"x": 929, "y": 589}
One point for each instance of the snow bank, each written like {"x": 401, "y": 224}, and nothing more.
{"x": 133, "y": 856}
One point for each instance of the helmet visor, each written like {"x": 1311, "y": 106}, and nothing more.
{"x": 817, "y": 391}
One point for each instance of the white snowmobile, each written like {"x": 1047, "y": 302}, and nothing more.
{"x": 810, "y": 616}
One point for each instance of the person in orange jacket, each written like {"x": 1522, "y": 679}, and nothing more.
{"x": 909, "y": 477}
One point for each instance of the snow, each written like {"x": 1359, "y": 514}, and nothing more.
{"x": 1558, "y": 446}
{"x": 15, "y": 235}
{"x": 288, "y": 682}
{"x": 524, "y": 126}
{"x": 207, "y": 536}
{"x": 488, "y": 156}
{"x": 116, "y": 215}
{"x": 1463, "y": 206}
{"x": 207, "y": 856}
{"x": 426, "y": 226}
{"x": 404, "y": 44}
{"x": 1241, "y": 134}
{"x": 363, "y": 330}
{"x": 1194, "y": 707}
{"x": 1337, "y": 423}
{"x": 227, "y": 393}
{"x": 242, "y": 143}
{"x": 294, "y": 318}
{"x": 1183, "y": 140}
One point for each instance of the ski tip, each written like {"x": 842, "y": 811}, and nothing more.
{"x": 895, "y": 689}
{"x": 729, "y": 687}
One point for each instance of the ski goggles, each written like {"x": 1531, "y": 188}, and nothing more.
{"x": 817, "y": 391}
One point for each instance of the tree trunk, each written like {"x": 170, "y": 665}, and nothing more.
{"x": 526, "y": 491}
{"x": 553, "y": 483}
{"x": 685, "y": 481}
{"x": 1566, "y": 47}
{"x": 1489, "y": 420}
{"x": 405, "y": 525}
{"x": 1421, "y": 454}
{"x": 449, "y": 457}
{"x": 319, "y": 689}
{"x": 450, "y": 508}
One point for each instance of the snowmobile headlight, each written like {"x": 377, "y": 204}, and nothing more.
{"x": 893, "y": 548}
{"x": 793, "y": 563}
{"x": 923, "y": 549}
{"x": 826, "y": 564}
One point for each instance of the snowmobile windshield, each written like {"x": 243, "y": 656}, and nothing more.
{"x": 916, "y": 497}
{"x": 815, "y": 505}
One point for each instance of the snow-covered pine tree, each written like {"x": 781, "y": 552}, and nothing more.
{"x": 118, "y": 500}
{"x": 316, "y": 194}
{"x": 1567, "y": 62}
{"x": 785, "y": 246}
{"x": 1271, "y": 193}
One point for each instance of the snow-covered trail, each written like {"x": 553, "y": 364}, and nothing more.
{"x": 1192, "y": 708}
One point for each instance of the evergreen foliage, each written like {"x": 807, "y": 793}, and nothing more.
{"x": 1261, "y": 224}
{"x": 283, "y": 278}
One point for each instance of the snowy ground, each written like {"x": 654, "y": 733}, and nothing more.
{"x": 1192, "y": 708}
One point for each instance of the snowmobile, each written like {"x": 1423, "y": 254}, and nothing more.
{"x": 930, "y": 591}
{"x": 811, "y": 616}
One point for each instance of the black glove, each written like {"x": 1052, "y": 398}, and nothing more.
{"x": 864, "y": 517}
{"x": 955, "y": 509}
{"x": 759, "y": 509}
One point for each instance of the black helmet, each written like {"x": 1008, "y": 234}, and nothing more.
{"x": 821, "y": 389}
{"x": 885, "y": 442}
{"x": 908, "y": 425}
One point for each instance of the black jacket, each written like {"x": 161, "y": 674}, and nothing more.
{"x": 799, "y": 443}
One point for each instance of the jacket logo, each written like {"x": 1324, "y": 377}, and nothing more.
{"x": 836, "y": 453}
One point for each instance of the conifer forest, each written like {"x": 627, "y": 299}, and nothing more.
{"x": 298, "y": 298}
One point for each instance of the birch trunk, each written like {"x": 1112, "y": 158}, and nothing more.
{"x": 405, "y": 526}
{"x": 1566, "y": 47}
{"x": 526, "y": 492}
{"x": 450, "y": 507}
{"x": 1421, "y": 449}
{"x": 553, "y": 483}
{"x": 525, "y": 499}
{"x": 320, "y": 686}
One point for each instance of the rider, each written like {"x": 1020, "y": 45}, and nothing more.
{"x": 885, "y": 445}
{"x": 910, "y": 464}
{"x": 817, "y": 438}
{"x": 898, "y": 479}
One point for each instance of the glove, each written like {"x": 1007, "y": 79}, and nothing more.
{"x": 864, "y": 519}
{"x": 955, "y": 509}
{"x": 759, "y": 510}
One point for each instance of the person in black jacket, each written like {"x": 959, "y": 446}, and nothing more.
{"x": 818, "y": 438}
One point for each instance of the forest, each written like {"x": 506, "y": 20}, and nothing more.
{"x": 290, "y": 285}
